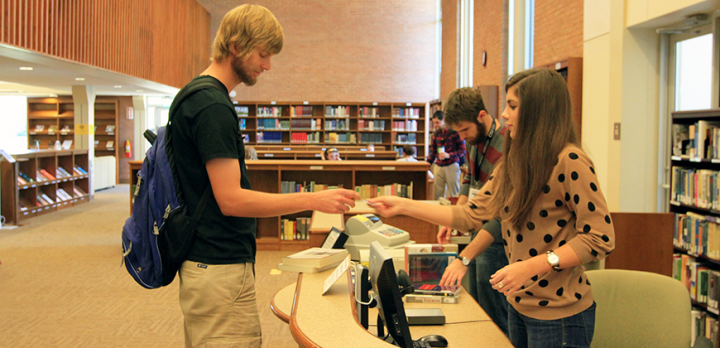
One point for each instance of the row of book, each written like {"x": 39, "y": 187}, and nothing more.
{"x": 301, "y": 111}
{"x": 698, "y": 234}
{"x": 372, "y": 191}
{"x": 66, "y": 144}
{"x": 337, "y": 111}
{"x": 292, "y": 186}
{"x": 295, "y": 230}
{"x": 333, "y": 137}
{"x": 371, "y": 138}
{"x": 337, "y": 125}
{"x": 44, "y": 175}
{"x": 406, "y": 138}
{"x": 311, "y": 124}
{"x": 52, "y": 129}
{"x": 269, "y": 111}
{"x": 305, "y": 138}
{"x": 275, "y": 124}
{"x": 405, "y": 126}
{"x": 242, "y": 111}
{"x": 698, "y": 187}
{"x": 371, "y": 112}
{"x": 371, "y": 125}
{"x": 108, "y": 145}
{"x": 243, "y": 124}
{"x": 703, "y": 325}
{"x": 42, "y": 199}
{"x": 701, "y": 281}
{"x": 698, "y": 141}
{"x": 269, "y": 137}
{"x": 406, "y": 112}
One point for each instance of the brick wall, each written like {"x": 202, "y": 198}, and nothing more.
{"x": 448, "y": 72}
{"x": 490, "y": 35}
{"x": 558, "y": 30}
{"x": 347, "y": 50}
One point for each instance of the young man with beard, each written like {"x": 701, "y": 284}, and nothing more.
{"x": 484, "y": 136}
{"x": 217, "y": 291}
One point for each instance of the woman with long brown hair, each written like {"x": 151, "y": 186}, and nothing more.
{"x": 554, "y": 216}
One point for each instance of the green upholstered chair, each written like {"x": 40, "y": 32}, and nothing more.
{"x": 639, "y": 309}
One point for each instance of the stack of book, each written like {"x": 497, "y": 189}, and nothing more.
{"x": 425, "y": 265}
{"x": 313, "y": 260}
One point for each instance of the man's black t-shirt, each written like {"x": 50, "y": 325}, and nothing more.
{"x": 205, "y": 127}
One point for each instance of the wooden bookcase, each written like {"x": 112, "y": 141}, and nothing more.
{"x": 572, "y": 70}
{"x": 694, "y": 199}
{"x": 334, "y": 124}
{"x": 267, "y": 175}
{"x": 20, "y": 202}
{"x": 107, "y": 129}
{"x": 50, "y": 120}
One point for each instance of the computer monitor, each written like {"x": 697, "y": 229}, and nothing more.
{"x": 387, "y": 292}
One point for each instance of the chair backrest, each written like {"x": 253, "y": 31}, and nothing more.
{"x": 639, "y": 309}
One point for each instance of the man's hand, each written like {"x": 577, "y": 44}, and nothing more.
{"x": 337, "y": 201}
{"x": 443, "y": 155}
{"x": 443, "y": 237}
{"x": 454, "y": 273}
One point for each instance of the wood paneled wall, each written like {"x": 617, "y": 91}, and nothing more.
{"x": 165, "y": 41}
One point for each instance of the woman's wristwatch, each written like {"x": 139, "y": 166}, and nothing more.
{"x": 553, "y": 260}
{"x": 465, "y": 260}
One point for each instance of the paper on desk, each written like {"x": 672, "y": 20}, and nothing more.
{"x": 340, "y": 270}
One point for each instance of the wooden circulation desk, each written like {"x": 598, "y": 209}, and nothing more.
{"x": 330, "y": 320}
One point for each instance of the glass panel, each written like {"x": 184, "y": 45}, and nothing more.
{"x": 693, "y": 73}
{"x": 13, "y": 132}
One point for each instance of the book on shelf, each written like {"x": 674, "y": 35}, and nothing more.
{"x": 26, "y": 177}
{"x": 39, "y": 128}
{"x": 21, "y": 181}
{"x": 294, "y": 230}
{"x": 66, "y": 128}
{"x": 46, "y": 174}
{"x": 110, "y": 128}
{"x": 79, "y": 170}
{"x": 78, "y": 192}
{"x": 109, "y": 144}
{"x": 67, "y": 144}
{"x": 52, "y": 129}
{"x": 316, "y": 257}
{"x": 39, "y": 177}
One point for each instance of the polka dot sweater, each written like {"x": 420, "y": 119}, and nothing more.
{"x": 570, "y": 210}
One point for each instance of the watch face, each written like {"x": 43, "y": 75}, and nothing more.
{"x": 553, "y": 259}
{"x": 465, "y": 261}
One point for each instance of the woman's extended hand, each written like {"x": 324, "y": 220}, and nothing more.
{"x": 388, "y": 205}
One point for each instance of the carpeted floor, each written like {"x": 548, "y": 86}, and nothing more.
{"x": 62, "y": 285}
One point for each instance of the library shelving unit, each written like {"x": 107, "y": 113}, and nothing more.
{"x": 695, "y": 170}
{"x": 271, "y": 176}
{"x": 572, "y": 70}
{"x": 107, "y": 130}
{"x": 50, "y": 120}
{"x": 334, "y": 124}
{"x": 60, "y": 179}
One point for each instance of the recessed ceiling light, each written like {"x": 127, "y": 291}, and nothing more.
{"x": 79, "y": 79}
{"x": 26, "y": 68}
{"x": 118, "y": 86}
{"x": 139, "y": 91}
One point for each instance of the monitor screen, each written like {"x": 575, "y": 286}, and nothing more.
{"x": 387, "y": 291}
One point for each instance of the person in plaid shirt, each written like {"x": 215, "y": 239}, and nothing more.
{"x": 446, "y": 151}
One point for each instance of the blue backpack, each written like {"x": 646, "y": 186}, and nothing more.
{"x": 157, "y": 237}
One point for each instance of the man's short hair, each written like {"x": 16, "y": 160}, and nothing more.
{"x": 438, "y": 114}
{"x": 247, "y": 27}
{"x": 464, "y": 104}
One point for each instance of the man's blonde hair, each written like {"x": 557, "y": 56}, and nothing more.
{"x": 247, "y": 27}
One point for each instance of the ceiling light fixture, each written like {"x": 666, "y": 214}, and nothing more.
{"x": 26, "y": 68}
{"x": 118, "y": 86}
{"x": 139, "y": 91}
{"x": 79, "y": 79}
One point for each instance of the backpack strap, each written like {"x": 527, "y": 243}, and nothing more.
{"x": 179, "y": 99}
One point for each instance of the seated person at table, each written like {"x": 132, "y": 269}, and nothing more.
{"x": 332, "y": 154}
{"x": 250, "y": 153}
{"x": 409, "y": 156}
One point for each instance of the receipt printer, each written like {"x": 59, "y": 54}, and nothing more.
{"x": 367, "y": 228}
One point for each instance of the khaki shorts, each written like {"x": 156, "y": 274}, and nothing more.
{"x": 219, "y": 305}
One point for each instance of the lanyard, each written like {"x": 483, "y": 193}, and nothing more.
{"x": 479, "y": 162}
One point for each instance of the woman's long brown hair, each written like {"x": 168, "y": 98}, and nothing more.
{"x": 543, "y": 129}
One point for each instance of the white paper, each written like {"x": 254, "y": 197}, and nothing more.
{"x": 340, "y": 270}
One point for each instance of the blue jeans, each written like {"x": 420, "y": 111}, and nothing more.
{"x": 574, "y": 331}
{"x": 492, "y": 301}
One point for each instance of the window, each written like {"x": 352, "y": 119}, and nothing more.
{"x": 13, "y": 133}
{"x": 693, "y": 73}
{"x": 465, "y": 43}
{"x": 521, "y": 35}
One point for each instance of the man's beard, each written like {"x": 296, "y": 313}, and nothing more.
{"x": 242, "y": 73}
{"x": 481, "y": 134}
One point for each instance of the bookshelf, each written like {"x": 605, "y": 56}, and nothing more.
{"x": 695, "y": 169}
{"x": 269, "y": 175}
{"x": 107, "y": 129}
{"x": 334, "y": 124}
{"x": 64, "y": 187}
{"x": 50, "y": 120}
{"x": 571, "y": 70}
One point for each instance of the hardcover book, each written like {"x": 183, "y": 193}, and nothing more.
{"x": 436, "y": 290}
{"x": 316, "y": 257}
